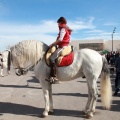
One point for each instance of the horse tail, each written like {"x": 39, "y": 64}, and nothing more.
{"x": 106, "y": 89}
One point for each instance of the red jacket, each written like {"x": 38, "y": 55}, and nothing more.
{"x": 66, "y": 39}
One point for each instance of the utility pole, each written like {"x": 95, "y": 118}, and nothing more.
{"x": 112, "y": 37}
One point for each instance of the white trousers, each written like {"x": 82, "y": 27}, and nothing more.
{"x": 56, "y": 54}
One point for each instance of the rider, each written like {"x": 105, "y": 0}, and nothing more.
{"x": 62, "y": 42}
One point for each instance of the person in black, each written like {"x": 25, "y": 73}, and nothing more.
{"x": 116, "y": 55}
{"x": 117, "y": 80}
{"x": 112, "y": 59}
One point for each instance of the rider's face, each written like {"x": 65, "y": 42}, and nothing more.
{"x": 59, "y": 24}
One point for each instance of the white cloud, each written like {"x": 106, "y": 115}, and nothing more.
{"x": 104, "y": 36}
{"x": 45, "y": 31}
{"x": 94, "y": 31}
{"x": 78, "y": 25}
{"x": 111, "y": 24}
{"x": 13, "y": 33}
{"x": 43, "y": 27}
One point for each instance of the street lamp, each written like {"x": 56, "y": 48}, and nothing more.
{"x": 112, "y": 36}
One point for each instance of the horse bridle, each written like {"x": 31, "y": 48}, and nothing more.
{"x": 24, "y": 71}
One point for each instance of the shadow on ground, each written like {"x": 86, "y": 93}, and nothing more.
{"x": 71, "y": 94}
{"x": 19, "y": 86}
{"x": 33, "y": 80}
{"x": 19, "y": 109}
{"x": 114, "y": 107}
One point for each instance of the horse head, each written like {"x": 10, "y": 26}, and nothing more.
{"x": 25, "y": 55}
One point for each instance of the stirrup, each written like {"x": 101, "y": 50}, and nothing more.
{"x": 50, "y": 80}
{"x": 55, "y": 80}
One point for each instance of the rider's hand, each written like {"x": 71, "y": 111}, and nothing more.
{"x": 51, "y": 45}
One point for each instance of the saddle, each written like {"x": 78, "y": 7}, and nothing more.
{"x": 65, "y": 58}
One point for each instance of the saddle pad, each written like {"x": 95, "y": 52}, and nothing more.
{"x": 67, "y": 60}
{"x": 65, "y": 52}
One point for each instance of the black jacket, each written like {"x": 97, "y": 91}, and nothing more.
{"x": 117, "y": 64}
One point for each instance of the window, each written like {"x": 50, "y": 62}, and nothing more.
{"x": 94, "y": 46}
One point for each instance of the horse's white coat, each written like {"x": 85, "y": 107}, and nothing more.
{"x": 86, "y": 62}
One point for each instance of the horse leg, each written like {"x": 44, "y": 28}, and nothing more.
{"x": 2, "y": 71}
{"x": 93, "y": 102}
{"x": 47, "y": 92}
{"x": 94, "y": 95}
{"x": 50, "y": 101}
{"x": 85, "y": 111}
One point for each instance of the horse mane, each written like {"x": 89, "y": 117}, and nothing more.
{"x": 30, "y": 50}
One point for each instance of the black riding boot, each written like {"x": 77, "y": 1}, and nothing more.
{"x": 53, "y": 71}
{"x": 53, "y": 79}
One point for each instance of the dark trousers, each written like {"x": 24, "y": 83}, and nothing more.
{"x": 117, "y": 82}
{"x": 54, "y": 70}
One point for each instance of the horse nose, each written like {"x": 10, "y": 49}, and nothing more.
{"x": 24, "y": 72}
{"x": 18, "y": 72}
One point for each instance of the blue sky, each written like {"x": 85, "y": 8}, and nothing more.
{"x": 36, "y": 19}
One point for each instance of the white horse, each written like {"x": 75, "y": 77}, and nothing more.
{"x": 87, "y": 62}
{"x": 6, "y": 62}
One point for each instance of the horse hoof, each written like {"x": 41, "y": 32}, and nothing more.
{"x": 83, "y": 112}
{"x": 43, "y": 116}
{"x": 89, "y": 116}
{"x": 50, "y": 113}
{"x": 93, "y": 110}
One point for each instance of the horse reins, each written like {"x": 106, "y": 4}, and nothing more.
{"x": 22, "y": 70}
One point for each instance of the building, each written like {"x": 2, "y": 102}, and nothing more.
{"x": 108, "y": 45}
{"x": 98, "y": 44}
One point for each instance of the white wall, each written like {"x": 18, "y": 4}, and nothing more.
{"x": 106, "y": 43}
